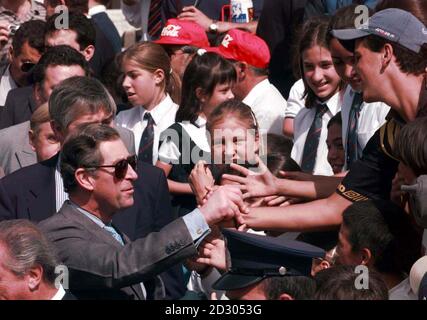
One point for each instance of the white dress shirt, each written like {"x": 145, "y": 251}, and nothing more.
{"x": 60, "y": 195}
{"x": 269, "y": 107}
{"x": 6, "y": 84}
{"x": 97, "y": 9}
{"x": 302, "y": 124}
{"x": 402, "y": 291}
{"x": 163, "y": 115}
{"x": 371, "y": 118}
{"x": 296, "y": 102}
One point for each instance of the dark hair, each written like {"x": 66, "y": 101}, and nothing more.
{"x": 277, "y": 162}
{"x": 234, "y": 108}
{"x": 408, "y": 61}
{"x": 344, "y": 18}
{"x": 79, "y": 6}
{"x": 411, "y": 146}
{"x": 337, "y": 283}
{"x": 81, "y": 149}
{"x": 31, "y": 31}
{"x": 77, "y": 96}
{"x": 418, "y": 8}
{"x": 298, "y": 287}
{"x": 27, "y": 247}
{"x": 151, "y": 57}
{"x": 278, "y": 143}
{"x": 80, "y": 24}
{"x": 386, "y": 230}
{"x": 59, "y": 56}
{"x": 313, "y": 33}
{"x": 336, "y": 119}
{"x": 206, "y": 72}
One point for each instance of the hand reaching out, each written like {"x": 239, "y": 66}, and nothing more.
{"x": 201, "y": 181}
{"x": 213, "y": 253}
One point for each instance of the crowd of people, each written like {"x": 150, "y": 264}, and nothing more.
{"x": 281, "y": 158}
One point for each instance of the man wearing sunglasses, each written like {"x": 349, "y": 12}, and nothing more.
{"x": 36, "y": 192}
{"x": 99, "y": 175}
{"x": 26, "y": 50}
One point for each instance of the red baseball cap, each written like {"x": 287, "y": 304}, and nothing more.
{"x": 181, "y": 32}
{"x": 245, "y": 47}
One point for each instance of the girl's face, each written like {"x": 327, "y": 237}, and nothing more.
{"x": 319, "y": 72}
{"x": 221, "y": 93}
{"x": 233, "y": 142}
{"x": 141, "y": 86}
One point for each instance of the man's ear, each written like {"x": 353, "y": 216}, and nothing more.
{"x": 31, "y": 137}
{"x": 366, "y": 257}
{"x": 88, "y": 52}
{"x": 285, "y": 296}
{"x": 84, "y": 179}
{"x": 159, "y": 76}
{"x": 387, "y": 56}
{"x": 34, "y": 277}
{"x": 241, "y": 69}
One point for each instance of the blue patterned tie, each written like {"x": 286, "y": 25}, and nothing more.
{"x": 145, "y": 152}
{"x": 353, "y": 147}
{"x": 114, "y": 233}
{"x": 312, "y": 141}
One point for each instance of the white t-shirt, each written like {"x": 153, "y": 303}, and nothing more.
{"x": 296, "y": 102}
{"x": 302, "y": 124}
{"x": 133, "y": 119}
{"x": 269, "y": 107}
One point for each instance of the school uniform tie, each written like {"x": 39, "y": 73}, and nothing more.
{"x": 155, "y": 19}
{"x": 145, "y": 152}
{"x": 312, "y": 141}
{"x": 353, "y": 147}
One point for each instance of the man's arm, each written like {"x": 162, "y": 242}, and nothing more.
{"x": 317, "y": 215}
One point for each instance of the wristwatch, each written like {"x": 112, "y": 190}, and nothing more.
{"x": 213, "y": 28}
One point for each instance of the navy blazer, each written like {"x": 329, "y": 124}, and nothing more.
{"x": 29, "y": 193}
{"x": 103, "y": 21}
{"x": 19, "y": 107}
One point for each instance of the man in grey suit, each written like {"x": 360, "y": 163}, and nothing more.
{"x": 98, "y": 175}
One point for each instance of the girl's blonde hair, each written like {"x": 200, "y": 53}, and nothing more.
{"x": 151, "y": 57}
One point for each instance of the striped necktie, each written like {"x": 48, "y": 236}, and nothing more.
{"x": 145, "y": 152}
{"x": 312, "y": 141}
{"x": 353, "y": 147}
{"x": 155, "y": 19}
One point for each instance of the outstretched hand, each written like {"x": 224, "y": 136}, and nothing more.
{"x": 254, "y": 184}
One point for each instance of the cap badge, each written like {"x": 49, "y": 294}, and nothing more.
{"x": 282, "y": 271}
{"x": 226, "y": 41}
{"x": 171, "y": 31}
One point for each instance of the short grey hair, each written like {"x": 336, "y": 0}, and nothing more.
{"x": 78, "y": 96}
{"x": 27, "y": 247}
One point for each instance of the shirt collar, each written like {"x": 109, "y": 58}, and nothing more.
{"x": 159, "y": 111}
{"x": 59, "y": 294}
{"x": 97, "y": 9}
{"x": 333, "y": 103}
{"x": 256, "y": 91}
{"x": 200, "y": 122}
{"x": 88, "y": 214}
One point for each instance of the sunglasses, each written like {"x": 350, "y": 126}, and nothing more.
{"x": 27, "y": 66}
{"x": 121, "y": 167}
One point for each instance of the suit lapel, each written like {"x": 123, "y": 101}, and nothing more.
{"x": 26, "y": 157}
{"x": 71, "y": 213}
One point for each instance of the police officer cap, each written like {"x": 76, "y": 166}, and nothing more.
{"x": 254, "y": 258}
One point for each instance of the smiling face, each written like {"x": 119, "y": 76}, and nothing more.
{"x": 368, "y": 66}
{"x": 319, "y": 72}
{"x": 344, "y": 64}
{"x": 113, "y": 194}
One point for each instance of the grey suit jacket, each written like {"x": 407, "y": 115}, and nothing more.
{"x": 16, "y": 152}
{"x": 101, "y": 268}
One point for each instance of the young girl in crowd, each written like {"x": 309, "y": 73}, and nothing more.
{"x": 152, "y": 88}
{"x": 322, "y": 98}
{"x": 206, "y": 83}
